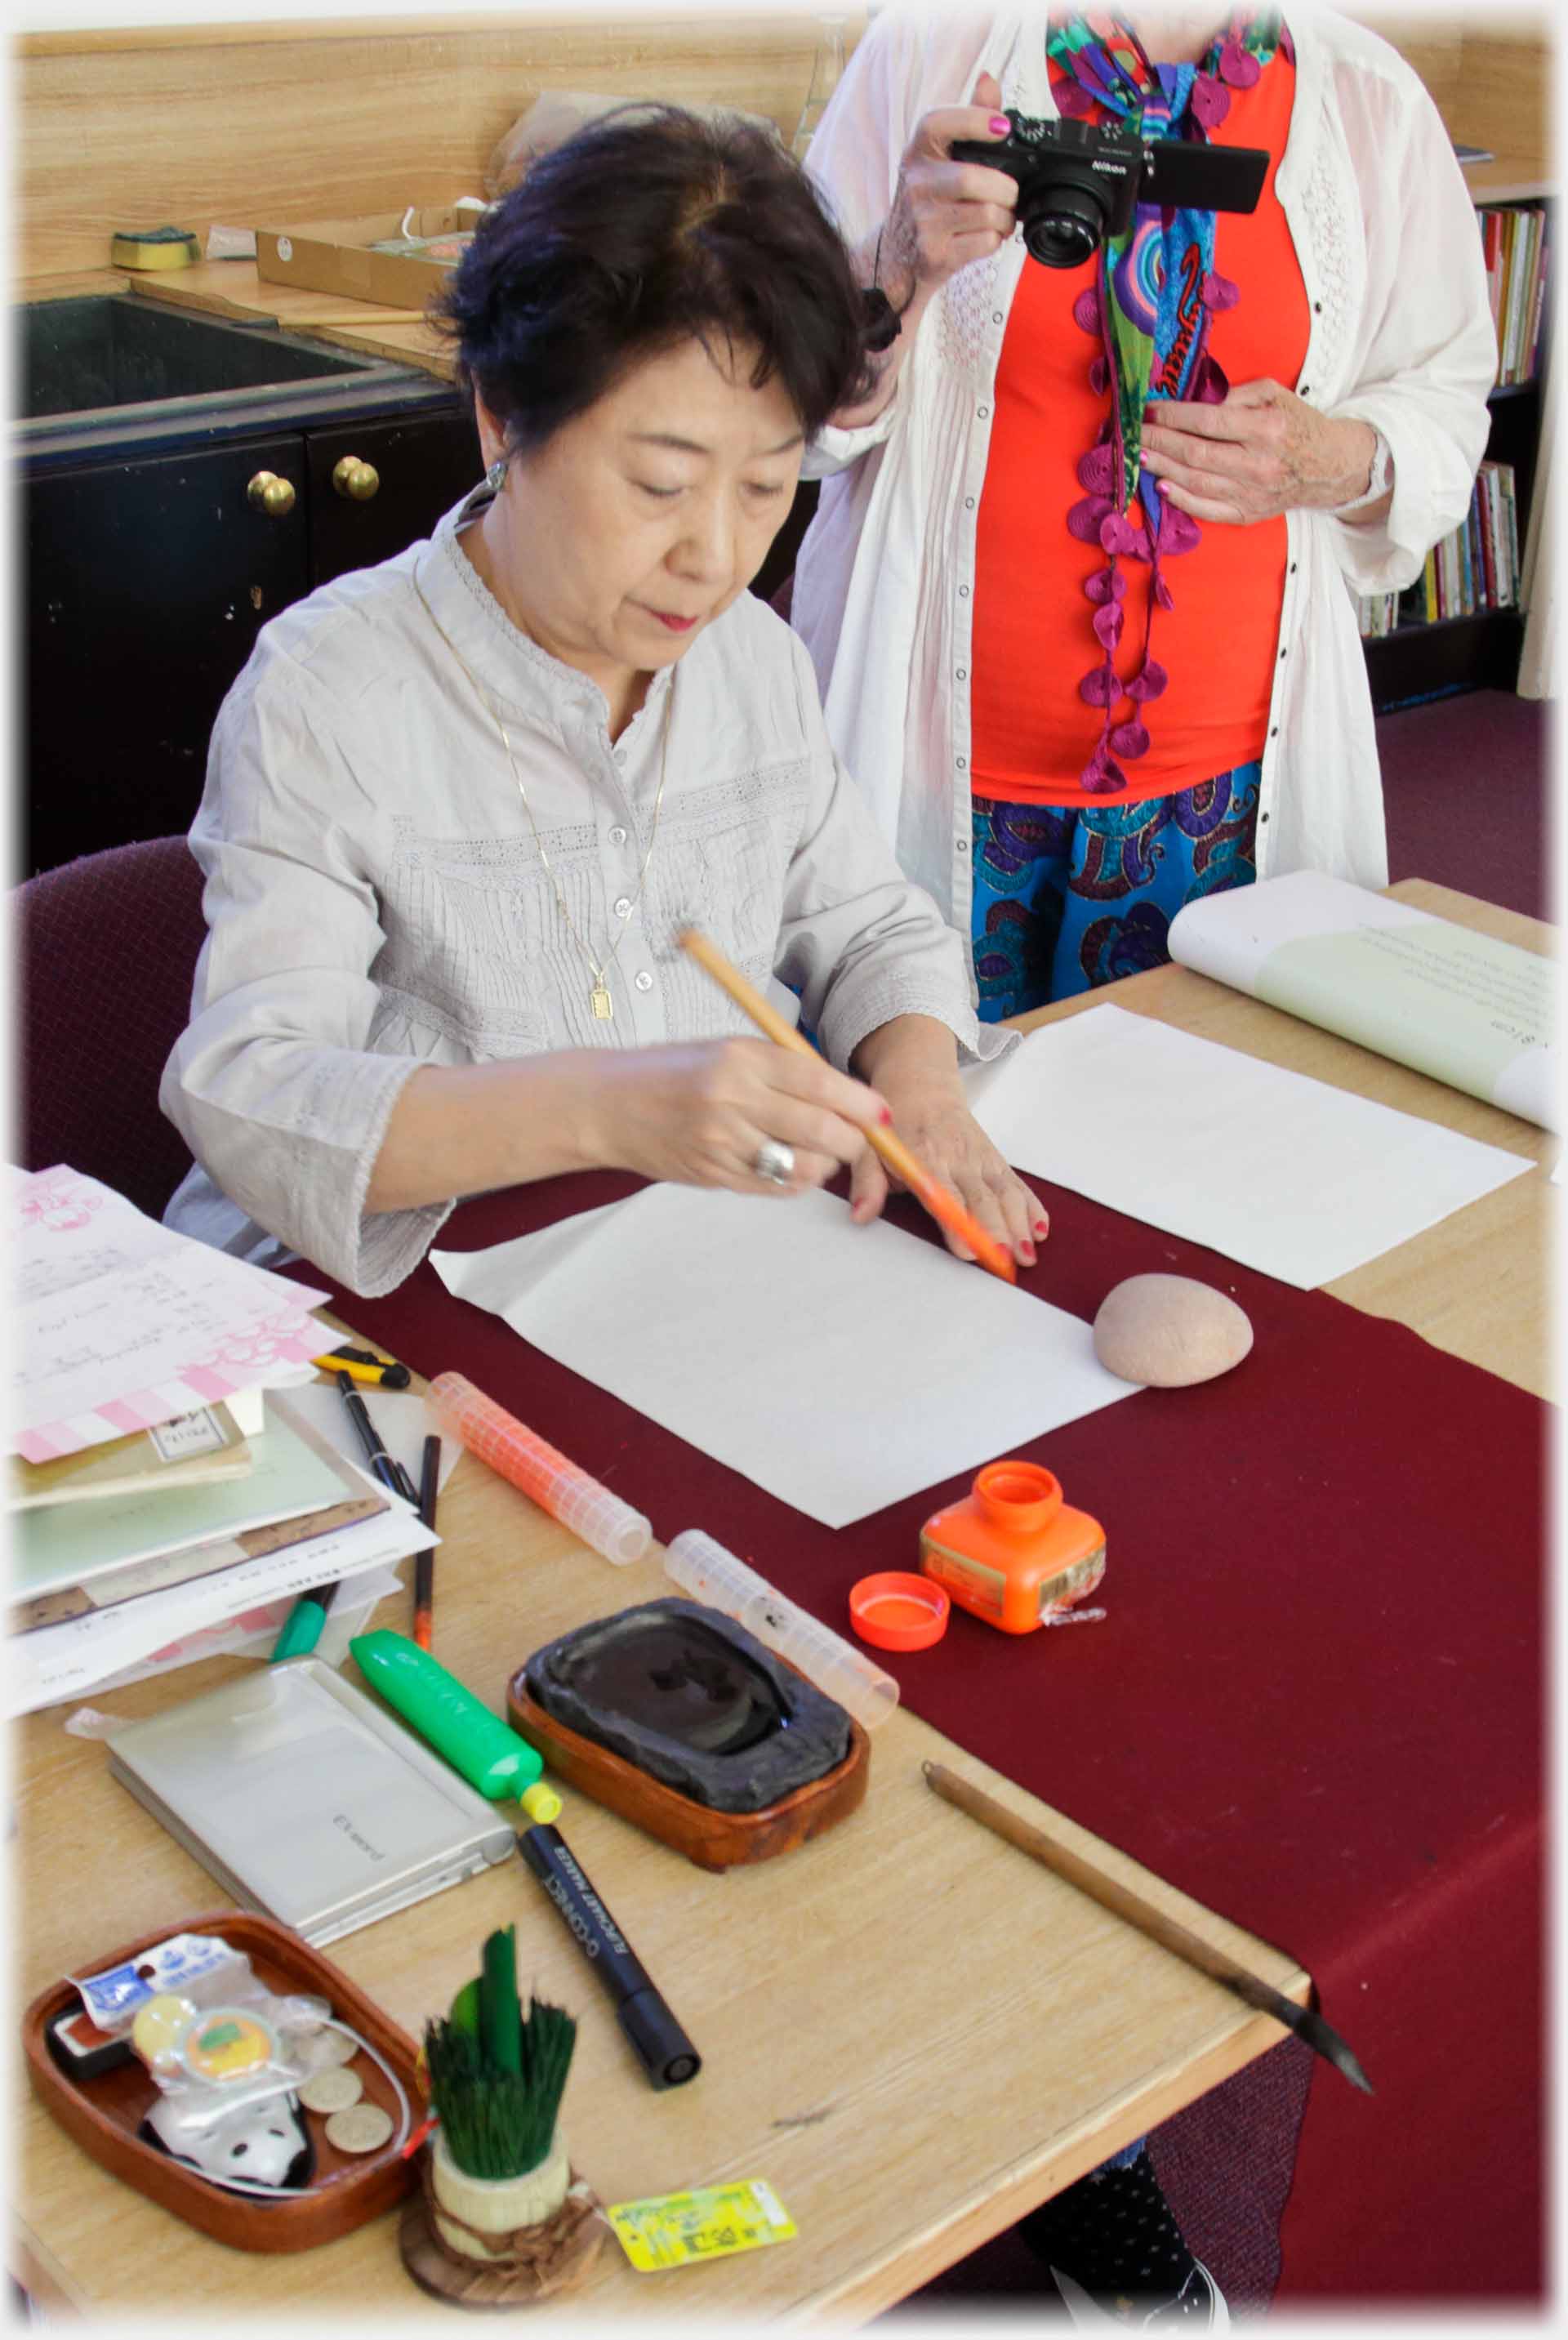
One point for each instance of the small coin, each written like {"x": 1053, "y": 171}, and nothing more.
{"x": 333, "y": 2047}
{"x": 361, "y": 2129}
{"x": 333, "y": 2091}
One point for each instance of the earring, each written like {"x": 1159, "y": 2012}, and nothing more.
{"x": 495, "y": 478}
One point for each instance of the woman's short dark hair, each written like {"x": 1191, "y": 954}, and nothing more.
{"x": 649, "y": 227}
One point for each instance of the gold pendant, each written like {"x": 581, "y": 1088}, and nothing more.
{"x": 602, "y": 1003}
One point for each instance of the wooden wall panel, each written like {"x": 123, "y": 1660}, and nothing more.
{"x": 262, "y": 124}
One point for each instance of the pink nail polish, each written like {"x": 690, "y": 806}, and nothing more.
{"x": 1042, "y": 1226}
{"x": 1027, "y": 1254}
{"x": 886, "y": 1117}
{"x": 998, "y": 125}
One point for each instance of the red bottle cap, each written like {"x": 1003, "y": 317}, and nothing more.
{"x": 898, "y": 1611}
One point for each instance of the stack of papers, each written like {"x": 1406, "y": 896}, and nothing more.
{"x": 159, "y": 1479}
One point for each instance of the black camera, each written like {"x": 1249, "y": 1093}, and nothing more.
{"x": 1077, "y": 183}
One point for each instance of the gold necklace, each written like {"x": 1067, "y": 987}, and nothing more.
{"x": 598, "y": 998}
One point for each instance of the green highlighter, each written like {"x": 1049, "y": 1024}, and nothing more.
{"x": 459, "y": 1726}
{"x": 303, "y": 1625}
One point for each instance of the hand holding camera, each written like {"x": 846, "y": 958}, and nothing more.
{"x": 1079, "y": 183}
{"x": 944, "y": 215}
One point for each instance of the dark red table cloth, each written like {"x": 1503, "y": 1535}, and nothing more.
{"x": 1315, "y": 1703}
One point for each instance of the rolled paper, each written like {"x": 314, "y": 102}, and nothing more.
{"x": 552, "y": 1479}
{"x": 709, "y": 1573}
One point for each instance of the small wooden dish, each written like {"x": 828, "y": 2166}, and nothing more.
{"x": 103, "y": 2114}
{"x": 712, "y": 1839}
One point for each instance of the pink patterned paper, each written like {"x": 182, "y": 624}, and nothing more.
{"x": 106, "y": 1297}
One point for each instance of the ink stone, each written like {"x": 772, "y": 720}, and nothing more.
{"x": 691, "y": 1698}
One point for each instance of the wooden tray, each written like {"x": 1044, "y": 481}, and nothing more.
{"x": 103, "y": 2114}
{"x": 712, "y": 1839}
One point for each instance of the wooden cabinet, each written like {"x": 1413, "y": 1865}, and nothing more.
{"x": 146, "y": 580}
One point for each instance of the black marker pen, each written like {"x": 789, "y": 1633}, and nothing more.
{"x": 662, "y": 2048}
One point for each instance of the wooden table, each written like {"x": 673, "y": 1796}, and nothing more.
{"x": 912, "y": 2034}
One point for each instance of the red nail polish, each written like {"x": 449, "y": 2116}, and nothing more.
{"x": 1042, "y": 1226}
{"x": 1027, "y": 1254}
{"x": 886, "y": 1117}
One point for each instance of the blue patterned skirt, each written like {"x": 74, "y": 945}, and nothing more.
{"x": 1069, "y": 897}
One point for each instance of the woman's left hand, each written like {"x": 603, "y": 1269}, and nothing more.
{"x": 1260, "y": 452}
{"x": 938, "y": 1127}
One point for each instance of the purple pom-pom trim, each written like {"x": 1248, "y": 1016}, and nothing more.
{"x": 1149, "y": 682}
{"x": 1086, "y": 309}
{"x": 1236, "y": 68}
{"x": 1129, "y": 740}
{"x": 1218, "y": 291}
{"x": 1106, "y": 585}
{"x": 1101, "y": 775}
{"x": 1097, "y": 469}
{"x": 1107, "y": 624}
{"x": 1178, "y": 531}
{"x": 1099, "y": 687}
{"x": 1209, "y": 102}
{"x": 1086, "y": 517}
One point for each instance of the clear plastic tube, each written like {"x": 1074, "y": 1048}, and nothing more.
{"x": 711, "y": 1574}
{"x": 530, "y": 1463}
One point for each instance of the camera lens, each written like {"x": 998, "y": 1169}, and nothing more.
{"x": 1064, "y": 223}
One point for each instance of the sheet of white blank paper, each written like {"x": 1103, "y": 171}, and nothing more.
{"x": 840, "y": 1367}
{"x": 1284, "y": 1173}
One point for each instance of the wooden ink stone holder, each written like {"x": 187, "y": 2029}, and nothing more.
{"x": 677, "y": 1718}
{"x": 103, "y": 2115}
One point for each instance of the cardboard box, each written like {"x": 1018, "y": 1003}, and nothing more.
{"x": 333, "y": 255}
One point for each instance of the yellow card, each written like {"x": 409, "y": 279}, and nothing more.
{"x": 711, "y": 2222}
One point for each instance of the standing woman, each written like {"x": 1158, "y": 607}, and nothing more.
{"x": 460, "y": 805}
{"x": 1080, "y": 592}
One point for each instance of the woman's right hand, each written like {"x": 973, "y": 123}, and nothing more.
{"x": 945, "y": 213}
{"x": 697, "y": 1113}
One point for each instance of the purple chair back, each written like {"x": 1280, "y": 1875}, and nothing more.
{"x": 106, "y": 948}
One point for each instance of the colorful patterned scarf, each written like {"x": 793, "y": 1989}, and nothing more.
{"x": 1149, "y": 310}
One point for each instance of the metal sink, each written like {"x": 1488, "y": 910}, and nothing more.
{"x": 122, "y": 369}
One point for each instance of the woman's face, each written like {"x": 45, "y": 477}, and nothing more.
{"x": 629, "y": 530}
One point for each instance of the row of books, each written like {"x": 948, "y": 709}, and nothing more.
{"x": 1476, "y": 567}
{"x": 1513, "y": 243}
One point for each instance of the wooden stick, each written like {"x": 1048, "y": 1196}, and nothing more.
{"x": 941, "y": 1201}
{"x": 1137, "y": 1909}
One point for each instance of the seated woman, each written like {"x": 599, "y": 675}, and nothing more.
{"x": 459, "y": 807}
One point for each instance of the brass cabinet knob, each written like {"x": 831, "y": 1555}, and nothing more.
{"x": 270, "y": 494}
{"x": 357, "y": 480}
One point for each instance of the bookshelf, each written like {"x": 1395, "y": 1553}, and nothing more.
{"x": 1491, "y": 74}
{"x": 1439, "y": 644}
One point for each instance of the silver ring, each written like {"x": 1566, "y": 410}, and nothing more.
{"x": 775, "y": 1161}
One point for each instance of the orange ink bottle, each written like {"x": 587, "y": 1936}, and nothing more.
{"x": 1013, "y": 1551}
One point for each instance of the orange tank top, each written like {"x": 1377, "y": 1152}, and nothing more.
{"x": 1034, "y": 640}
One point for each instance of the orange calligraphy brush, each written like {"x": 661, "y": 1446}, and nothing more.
{"x": 941, "y": 1201}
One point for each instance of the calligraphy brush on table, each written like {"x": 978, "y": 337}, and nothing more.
{"x": 1124, "y": 1901}
{"x": 941, "y": 1201}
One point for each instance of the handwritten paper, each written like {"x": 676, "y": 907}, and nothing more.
{"x": 1455, "y": 1004}
{"x": 120, "y": 1324}
{"x": 840, "y": 1367}
{"x": 1287, "y": 1174}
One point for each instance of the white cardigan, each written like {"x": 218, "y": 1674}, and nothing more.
{"x": 1400, "y": 336}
